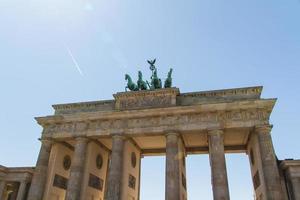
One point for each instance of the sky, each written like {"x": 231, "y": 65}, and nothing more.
{"x": 55, "y": 51}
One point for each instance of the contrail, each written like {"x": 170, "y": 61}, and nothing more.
{"x": 74, "y": 60}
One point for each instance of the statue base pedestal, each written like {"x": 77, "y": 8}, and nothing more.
{"x": 158, "y": 98}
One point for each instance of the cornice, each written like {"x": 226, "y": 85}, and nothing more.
{"x": 266, "y": 104}
{"x": 159, "y": 98}
{"x": 255, "y": 91}
{"x": 289, "y": 163}
{"x": 7, "y": 170}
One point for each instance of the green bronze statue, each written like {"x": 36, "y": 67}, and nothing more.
{"x": 152, "y": 66}
{"x": 168, "y": 82}
{"x": 155, "y": 82}
{"x": 130, "y": 84}
{"x": 142, "y": 85}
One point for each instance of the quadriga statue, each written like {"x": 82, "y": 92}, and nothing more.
{"x": 155, "y": 82}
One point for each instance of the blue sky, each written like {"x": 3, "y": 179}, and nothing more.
{"x": 210, "y": 44}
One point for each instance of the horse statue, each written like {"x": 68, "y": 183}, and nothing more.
{"x": 130, "y": 84}
{"x": 155, "y": 81}
{"x": 142, "y": 85}
{"x": 168, "y": 82}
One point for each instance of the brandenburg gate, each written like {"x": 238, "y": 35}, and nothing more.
{"x": 93, "y": 150}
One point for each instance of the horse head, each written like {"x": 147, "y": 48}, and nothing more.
{"x": 140, "y": 75}
{"x": 170, "y": 73}
{"x": 127, "y": 77}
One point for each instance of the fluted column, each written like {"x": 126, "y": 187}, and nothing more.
{"x": 269, "y": 163}
{"x": 115, "y": 174}
{"x": 38, "y": 182}
{"x": 172, "y": 190}
{"x": 22, "y": 190}
{"x": 218, "y": 165}
{"x": 77, "y": 169}
{"x": 2, "y": 188}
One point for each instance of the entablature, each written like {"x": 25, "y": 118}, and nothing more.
{"x": 16, "y": 173}
{"x": 238, "y": 114}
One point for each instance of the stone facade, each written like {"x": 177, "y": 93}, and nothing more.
{"x": 15, "y": 182}
{"x": 291, "y": 173}
{"x": 93, "y": 150}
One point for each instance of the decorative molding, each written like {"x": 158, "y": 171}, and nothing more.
{"x": 288, "y": 163}
{"x": 266, "y": 128}
{"x": 216, "y": 131}
{"x": 266, "y": 104}
{"x": 109, "y": 105}
{"x": 173, "y": 91}
{"x": 248, "y": 91}
{"x": 84, "y": 107}
{"x": 146, "y": 99}
{"x": 174, "y": 121}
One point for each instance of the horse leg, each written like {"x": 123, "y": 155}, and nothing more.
{"x": 148, "y": 84}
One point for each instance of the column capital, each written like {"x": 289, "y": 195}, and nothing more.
{"x": 119, "y": 136}
{"x": 169, "y": 133}
{"x": 263, "y": 128}
{"x": 215, "y": 131}
{"x": 46, "y": 141}
{"x": 81, "y": 139}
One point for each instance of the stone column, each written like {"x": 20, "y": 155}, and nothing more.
{"x": 269, "y": 163}
{"x": 38, "y": 182}
{"x": 115, "y": 174}
{"x": 77, "y": 169}
{"x": 2, "y": 188}
{"x": 218, "y": 165}
{"x": 22, "y": 190}
{"x": 172, "y": 189}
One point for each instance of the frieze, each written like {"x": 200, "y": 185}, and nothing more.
{"x": 145, "y": 102}
{"x": 146, "y": 99}
{"x": 157, "y": 121}
{"x": 169, "y": 91}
